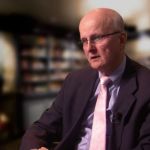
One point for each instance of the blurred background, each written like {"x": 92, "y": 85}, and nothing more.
{"x": 39, "y": 47}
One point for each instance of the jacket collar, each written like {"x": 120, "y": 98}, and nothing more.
{"x": 125, "y": 101}
{"x": 128, "y": 87}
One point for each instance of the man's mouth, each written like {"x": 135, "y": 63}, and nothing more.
{"x": 94, "y": 57}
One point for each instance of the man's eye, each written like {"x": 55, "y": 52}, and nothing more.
{"x": 97, "y": 38}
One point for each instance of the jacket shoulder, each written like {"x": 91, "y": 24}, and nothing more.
{"x": 81, "y": 76}
{"x": 83, "y": 73}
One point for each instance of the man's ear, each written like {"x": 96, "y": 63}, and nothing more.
{"x": 123, "y": 39}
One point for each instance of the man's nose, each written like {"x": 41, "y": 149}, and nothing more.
{"x": 90, "y": 45}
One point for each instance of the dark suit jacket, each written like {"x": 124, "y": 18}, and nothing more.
{"x": 131, "y": 113}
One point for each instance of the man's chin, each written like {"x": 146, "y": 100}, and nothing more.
{"x": 95, "y": 66}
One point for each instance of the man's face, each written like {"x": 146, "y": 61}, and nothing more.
{"x": 103, "y": 54}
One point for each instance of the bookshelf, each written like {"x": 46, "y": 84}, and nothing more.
{"x": 44, "y": 62}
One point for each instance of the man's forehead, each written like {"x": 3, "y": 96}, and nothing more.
{"x": 95, "y": 24}
{"x": 100, "y": 12}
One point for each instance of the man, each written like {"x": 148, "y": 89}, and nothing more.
{"x": 71, "y": 116}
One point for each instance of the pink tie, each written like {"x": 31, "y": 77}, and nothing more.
{"x": 98, "y": 138}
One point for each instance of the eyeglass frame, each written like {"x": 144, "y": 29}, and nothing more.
{"x": 97, "y": 38}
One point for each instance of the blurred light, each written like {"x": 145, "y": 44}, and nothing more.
{"x": 124, "y": 7}
{"x": 3, "y": 118}
{"x": 8, "y": 62}
{"x": 143, "y": 21}
{"x": 143, "y": 44}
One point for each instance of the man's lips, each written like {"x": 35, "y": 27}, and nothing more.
{"x": 94, "y": 57}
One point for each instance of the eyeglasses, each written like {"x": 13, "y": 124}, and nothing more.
{"x": 96, "y": 38}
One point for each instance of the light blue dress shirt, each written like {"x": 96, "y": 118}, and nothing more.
{"x": 86, "y": 131}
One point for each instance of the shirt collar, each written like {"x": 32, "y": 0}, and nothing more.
{"x": 117, "y": 73}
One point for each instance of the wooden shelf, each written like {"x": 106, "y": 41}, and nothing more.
{"x": 50, "y": 56}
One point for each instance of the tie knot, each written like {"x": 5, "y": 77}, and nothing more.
{"x": 105, "y": 80}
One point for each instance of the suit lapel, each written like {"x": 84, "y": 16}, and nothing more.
{"x": 128, "y": 86}
{"x": 85, "y": 91}
{"x": 125, "y": 101}
{"x": 125, "y": 98}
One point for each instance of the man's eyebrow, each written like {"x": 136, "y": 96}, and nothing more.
{"x": 93, "y": 35}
